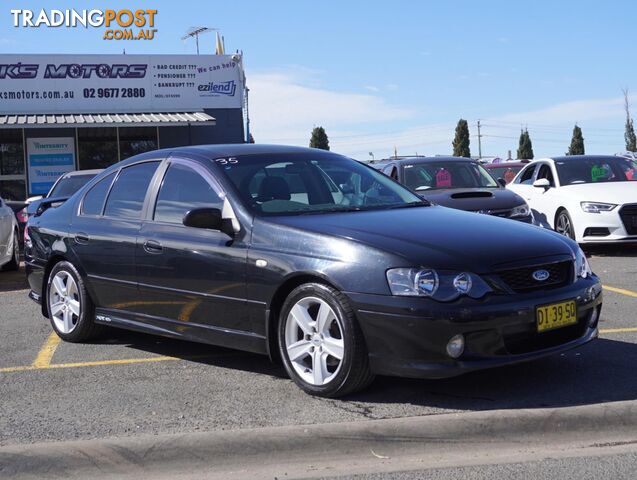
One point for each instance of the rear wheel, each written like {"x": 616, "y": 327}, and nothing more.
{"x": 14, "y": 263}
{"x": 321, "y": 343}
{"x": 71, "y": 310}
{"x": 564, "y": 224}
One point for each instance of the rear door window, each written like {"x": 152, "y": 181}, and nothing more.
{"x": 93, "y": 202}
{"x": 126, "y": 199}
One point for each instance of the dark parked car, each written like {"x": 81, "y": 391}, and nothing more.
{"x": 505, "y": 170}
{"x": 310, "y": 257}
{"x": 64, "y": 187}
{"x": 456, "y": 182}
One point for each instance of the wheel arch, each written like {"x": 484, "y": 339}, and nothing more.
{"x": 277, "y": 301}
{"x": 558, "y": 210}
{"x": 52, "y": 262}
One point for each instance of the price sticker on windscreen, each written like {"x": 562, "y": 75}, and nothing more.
{"x": 598, "y": 172}
{"x": 443, "y": 178}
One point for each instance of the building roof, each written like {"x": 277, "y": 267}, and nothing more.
{"x": 105, "y": 120}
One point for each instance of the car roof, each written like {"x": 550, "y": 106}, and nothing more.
{"x": 578, "y": 158}
{"x": 414, "y": 160}
{"x": 207, "y": 152}
{"x": 504, "y": 164}
{"x": 77, "y": 173}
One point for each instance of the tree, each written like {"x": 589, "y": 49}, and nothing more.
{"x": 319, "y": 139}
{"x": 577, "y": 142}
{"x": 525, "y": 149}
{"x": 461, "y": 140}
{"x": 629, "y": 132}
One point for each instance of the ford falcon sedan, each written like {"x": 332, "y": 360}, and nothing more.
{"x": 312, "y": 258}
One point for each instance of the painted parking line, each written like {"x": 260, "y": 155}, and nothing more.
{"x": 122, "y": 361}
{"x": 623, "y": 291}
{"x": 45, "y": 354}
{"x": 617, "y": 330}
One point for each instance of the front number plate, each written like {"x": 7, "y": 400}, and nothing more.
{"x": 555, "y": 315}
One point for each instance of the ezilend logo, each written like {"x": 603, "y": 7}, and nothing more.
{"x": 219, "y": 88}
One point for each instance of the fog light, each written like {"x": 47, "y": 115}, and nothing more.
{"x": 455, "y": 347}
{"x": 592, "y": 322}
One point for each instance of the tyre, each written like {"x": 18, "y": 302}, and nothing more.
{"x": 14, "y": 263}
{"x": 321, "y": 343}
{"x": 71, "y": 310}
{"x": 564, "y": 224}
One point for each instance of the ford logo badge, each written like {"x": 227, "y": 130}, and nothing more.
{"x": 541, "y": 275}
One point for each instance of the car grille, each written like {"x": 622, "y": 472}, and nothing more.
{"x": 496, "y": 213}
{"x": 628, "y": 214}
{"x": 521, "y": 279}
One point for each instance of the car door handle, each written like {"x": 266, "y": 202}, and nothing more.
{"x": 81, "y": 238}
{"x": 152, "y": 246}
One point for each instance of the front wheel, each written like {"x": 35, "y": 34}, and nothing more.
{"x": 321, "y": 344}
{"x": 564, "y": 225}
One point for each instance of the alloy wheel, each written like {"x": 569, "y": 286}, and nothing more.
{"x": 314, "y": 341}
{"x": 564, "y": 225}
{"x": 64, "y": 302}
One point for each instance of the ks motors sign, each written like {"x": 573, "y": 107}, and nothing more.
{"x": 119, "y": 83}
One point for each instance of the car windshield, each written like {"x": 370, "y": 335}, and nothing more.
{"x": 504, "y": 172}
{"x": 69, "y": 185}
{"x": 293, "y": 184}
{"x": 454, "y": 174}
{"x": 596, "y": 170}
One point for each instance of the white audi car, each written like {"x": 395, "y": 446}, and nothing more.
{"x": 589, "y": 198}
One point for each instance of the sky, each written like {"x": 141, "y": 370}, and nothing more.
{"x": 384, "y": 75}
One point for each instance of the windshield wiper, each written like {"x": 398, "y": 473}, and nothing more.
{"x": 423, "y": 203}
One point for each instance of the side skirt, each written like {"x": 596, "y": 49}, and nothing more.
{"x": 223, "y": 337}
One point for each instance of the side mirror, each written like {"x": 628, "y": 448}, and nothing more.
{"x": 542, "y": 183}
{"x": 209, "y": 218}
{"x": 502, "y": 182}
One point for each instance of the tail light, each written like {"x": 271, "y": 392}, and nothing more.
{"x": 22, "y": 215}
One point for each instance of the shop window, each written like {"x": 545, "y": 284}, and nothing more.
{"x": 13, "y": 189}
{"x": 135, "y": 140}
{"x": 12, "y": 176}
{"x": 11, "y": 152}
{"x": 97, "y": 147}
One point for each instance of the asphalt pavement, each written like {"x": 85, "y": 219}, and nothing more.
{"x": 129, "y": 385}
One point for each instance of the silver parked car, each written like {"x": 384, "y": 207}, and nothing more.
{"x": 9, "y": 246}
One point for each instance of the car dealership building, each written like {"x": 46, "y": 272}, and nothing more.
{"x": 60, "y": 113}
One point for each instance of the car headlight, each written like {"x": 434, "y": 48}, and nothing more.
{"x": 582, "y": 268}
{"x": 597, "y": 207}
{"x": 444, "y": 285}
{"x": 520, "y": 211}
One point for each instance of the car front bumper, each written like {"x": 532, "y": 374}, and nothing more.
{"x": 604, "y": 227}
{"x": 408, "y": 336}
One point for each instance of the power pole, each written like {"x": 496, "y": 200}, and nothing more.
{"x": 479, "y": 142}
